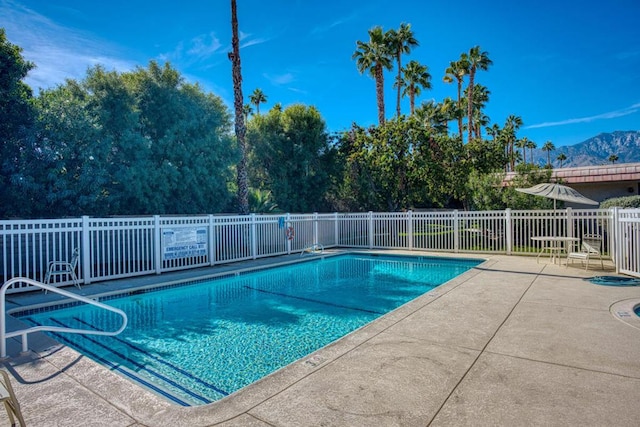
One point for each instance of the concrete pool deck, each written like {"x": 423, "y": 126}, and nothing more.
{"x": 511, "y": 342}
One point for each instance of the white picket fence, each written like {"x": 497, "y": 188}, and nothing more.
{"x": 120, "y": 247}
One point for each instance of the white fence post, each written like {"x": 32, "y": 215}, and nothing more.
{"x": 456, "y": 232}
{"x": 336, "y": 227}
{"x": 86, "y": 251}
{"x": 315, "y": 228}
{"x": 254, "y": 237}
{"x": 158, "y": 244}
{"x": 410, "y": 230}
{"x": 287, "y": 223}
{"x": 508, "y": 231}
{"x": 370, "y": 230}
{"x": 212, "y": 241}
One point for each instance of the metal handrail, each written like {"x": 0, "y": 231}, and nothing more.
{"x": 24, "y": 332}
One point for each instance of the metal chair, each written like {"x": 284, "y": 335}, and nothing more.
{"x": 8, "y": 397}
{"x": 61, "y": 268}
{"x": 591, "y": 246}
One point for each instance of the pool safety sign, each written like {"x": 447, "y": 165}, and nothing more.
{"x": 184, "y": 242}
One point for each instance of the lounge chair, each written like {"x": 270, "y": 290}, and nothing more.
{"x": 8, "y": 397}
{"x": 62, "y": 268}
{"x": 591, "y": 246}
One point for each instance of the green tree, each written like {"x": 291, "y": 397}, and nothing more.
{"x": 240, "y": 127}
{"x": 475, "y": 60}
{"x": 399, "y": 165}
{"x": 508, "y": 138}
{"x": 531, "y": 145}
{"x": 456, "y": 71}
{"x": 374, "y": 57}
{"x": 291, "y": 157}
{"x": 138, "y": 143}
{"x": 561, "y": 158}
{"x": 247, "y": 110}
{"x": 401, "y": 42}
{"x": 548, "y": 147}
{"x": 415, "y": 78}
{"x": 613, "y": 158}
{"x": 17, "y": 153}
{"x": 256, "y": 98}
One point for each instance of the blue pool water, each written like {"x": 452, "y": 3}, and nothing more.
{"x": 197, "y": 343}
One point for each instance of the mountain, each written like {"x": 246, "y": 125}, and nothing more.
{"x": 596, "y": 150}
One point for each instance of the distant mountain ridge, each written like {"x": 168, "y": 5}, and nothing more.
{"x": 596, "y": 150}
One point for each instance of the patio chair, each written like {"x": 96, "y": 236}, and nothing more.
{"x": 64, "y": 268}
{"x": 8, "y": 397}
{"x": 591, "y": 246}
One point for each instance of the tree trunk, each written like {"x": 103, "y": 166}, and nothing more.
{"x": 459, "y": 112}
{"x": 240, "y": 128}
{"x": 398, "y": 112}
{"x": 472, "y": 73}
{"x": 380, "y": 93}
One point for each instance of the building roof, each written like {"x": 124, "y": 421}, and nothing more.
{"x": 586, "y": 174}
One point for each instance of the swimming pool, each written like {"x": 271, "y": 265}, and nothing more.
{"x": 196, "y": 343}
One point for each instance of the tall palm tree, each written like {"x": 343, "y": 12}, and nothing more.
{"x": 521, "y": 144}
{"x": 415, "y": 77}
{"x": 247, "y": 110}
{"x": 401, "y": 41}
{"x": 548, "y": 147}
{"x": 456, "y": 71}
{"x": 479, "y": 121}
{"x": 476, "y": 60}
{"x": 430, "y": 115}
{"x": 374, "y": 57}
{"x": 449, "y": 111}
{"x": 240, "y": 127}
{"x": 511, "y": 126}
{"x": 561, "y": 157}
{"x": 531, "y": 145}
{"x": 613, "y": 158}
{"x": 256, "y": 98}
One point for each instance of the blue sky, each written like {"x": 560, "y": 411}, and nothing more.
{"x": 570, "y": 69}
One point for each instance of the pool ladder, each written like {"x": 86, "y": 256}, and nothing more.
{"x": 25, "y": 332}
{"x": 313, "y": 249}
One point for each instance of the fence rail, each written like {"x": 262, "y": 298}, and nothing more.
{"x": 114, "y": 248}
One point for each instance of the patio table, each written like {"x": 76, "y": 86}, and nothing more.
{"x": 555, "y": 245}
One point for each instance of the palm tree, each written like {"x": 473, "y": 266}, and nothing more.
{"x": 240, "y": 127}
{"x": 430, "y": 115}
{"x": 511, "y": 126}
{"x": 548, "y": 147}
{"x": 400, "y": 42}
{"x": 374, "y": 57}
{"x": 416, "y": 78}
{"x": 476, "y": 60}
{"x": 494, "y": 131}
{"x": 531, "y": 145}
{"x": 247, "y": 110}
{"x": 521, "y": 144}
{"x": 613, "y": 158}
{"x": 256, "y": 98}
{"x": 449, "y": 111}
{"x": 456, "y": 71}
{"x": 561, "y": 157}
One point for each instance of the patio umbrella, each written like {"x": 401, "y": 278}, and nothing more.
{"x": 557, "y": 192}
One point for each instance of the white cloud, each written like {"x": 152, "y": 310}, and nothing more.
{"x": 203, "y": 46}
{"x": 279, "y": 79}
{"x": 604, "y": 116}
{"x": 58, "y": 52}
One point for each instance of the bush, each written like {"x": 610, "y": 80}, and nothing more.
{"x": 621, "y": 202}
